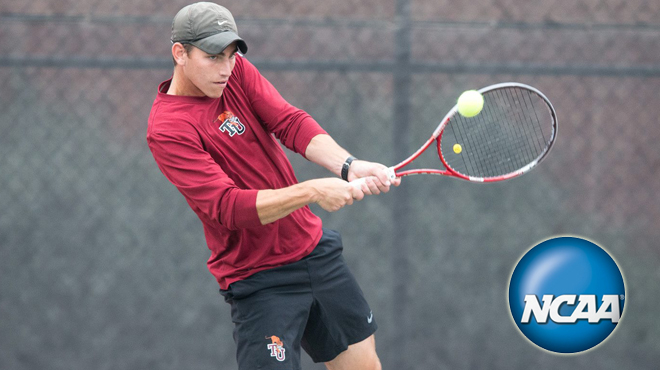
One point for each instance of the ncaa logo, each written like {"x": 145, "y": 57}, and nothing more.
{"x": 566, "y": 295}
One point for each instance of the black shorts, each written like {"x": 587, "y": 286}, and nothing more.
{"x": 314, "y": 303}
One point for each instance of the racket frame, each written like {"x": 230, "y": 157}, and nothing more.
{"x": 437, "y": 136}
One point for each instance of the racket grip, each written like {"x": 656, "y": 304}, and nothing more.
{"x": 358, "y": 183}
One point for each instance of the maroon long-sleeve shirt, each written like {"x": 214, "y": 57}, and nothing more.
{"x": 219, "y": 153}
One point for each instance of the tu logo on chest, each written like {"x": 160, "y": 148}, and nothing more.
{"x": 230, "y": 124}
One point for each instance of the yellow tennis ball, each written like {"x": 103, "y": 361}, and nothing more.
{"x": 470, "y": 103}
{"x": 457, "y": 148}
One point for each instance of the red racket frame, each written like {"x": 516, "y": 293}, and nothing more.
{"x": 437, "y": 136}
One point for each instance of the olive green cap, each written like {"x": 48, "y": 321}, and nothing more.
{"x": 208, "y": 26}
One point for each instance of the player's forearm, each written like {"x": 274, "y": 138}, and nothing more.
{"x": 324, "y": 151}
{"x": 275, "y": 204}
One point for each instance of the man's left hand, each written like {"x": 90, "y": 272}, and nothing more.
{"x": 375, "y": 174}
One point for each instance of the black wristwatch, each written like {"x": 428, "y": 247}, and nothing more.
{"x": 346, "y": 166}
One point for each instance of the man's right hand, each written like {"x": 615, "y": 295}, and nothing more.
{"x": 332, "y": 193}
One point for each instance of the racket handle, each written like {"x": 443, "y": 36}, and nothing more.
{"x": 358, "y": 183}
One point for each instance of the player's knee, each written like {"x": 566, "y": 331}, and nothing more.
{"x": 376, "y": 364}
{"x": 373, "y": 362}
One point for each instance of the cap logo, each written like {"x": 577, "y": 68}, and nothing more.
{"x": 221, "y": 23}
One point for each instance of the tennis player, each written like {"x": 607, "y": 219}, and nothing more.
{"x": 212, "y": 131}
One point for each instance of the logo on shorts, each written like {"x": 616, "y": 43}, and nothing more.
{"x": 276, "y": 348}
{"x": 230, "y": 124}
{"x": 566, "y": 295}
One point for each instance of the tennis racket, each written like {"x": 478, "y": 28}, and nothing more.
{"x": 512, "y": 134}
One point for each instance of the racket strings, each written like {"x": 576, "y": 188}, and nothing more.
{"x": 512, "y": 130}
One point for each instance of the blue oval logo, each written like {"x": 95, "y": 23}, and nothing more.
{"x": 566, "y": 295}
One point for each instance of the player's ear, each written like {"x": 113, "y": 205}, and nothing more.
{"x": 178, "y": 54}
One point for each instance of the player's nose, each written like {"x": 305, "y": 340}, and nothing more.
{"x": 225, "y": 68}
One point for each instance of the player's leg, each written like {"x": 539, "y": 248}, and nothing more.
{"x": 270, "y": 311}
{"x": 341, "y": 325}
{"x": 358, "y": 356}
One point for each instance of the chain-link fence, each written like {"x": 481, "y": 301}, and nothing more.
{"x": 102, "y": 261}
